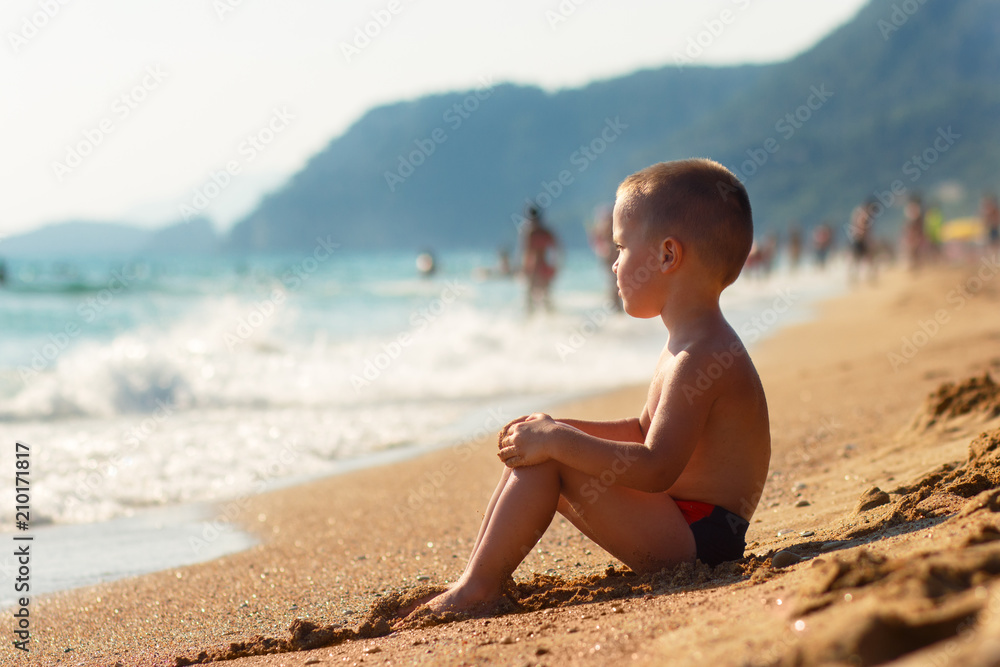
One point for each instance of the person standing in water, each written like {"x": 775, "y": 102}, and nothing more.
{"x": 538, "y": 246}
{"x": 600, "y": 235}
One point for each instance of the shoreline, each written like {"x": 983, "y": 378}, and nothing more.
{"x": 841, "y": 423}
{"x": 212, "y": 529}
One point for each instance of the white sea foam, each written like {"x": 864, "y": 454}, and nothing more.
{"x": 228, "y": 395}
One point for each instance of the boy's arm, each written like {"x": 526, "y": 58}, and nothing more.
{"x": 622, "y": 430}
{"x": 677, "y": 423}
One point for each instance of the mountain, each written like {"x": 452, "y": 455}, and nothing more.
{"x": 86, "y": 238}
{"x": 196, "y": 237}
{"x": 451, "y": 169}
{"x": 904, "y": 92}
{"x": 76, "y": 237}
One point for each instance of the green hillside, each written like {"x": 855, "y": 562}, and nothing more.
{"x": 811, "y": 137}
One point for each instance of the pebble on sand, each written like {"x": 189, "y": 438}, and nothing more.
{"x": 784, "y": 558}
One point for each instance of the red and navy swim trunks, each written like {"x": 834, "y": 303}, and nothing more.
{"x": 719, "y": 535}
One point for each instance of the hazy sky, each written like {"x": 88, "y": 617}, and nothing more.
{"x": 122, "y": 110}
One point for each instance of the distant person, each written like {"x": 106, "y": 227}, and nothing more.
{"x": 768, "y": 253}
{"x": 602, "y": 243}
{"x": 538, "y": 248}
{"x": 752, "y": 268}
{"x": 426, "y": 264}
{"x": 859, "y": 232}
{"x": 503, "y": 268}
{"x": 695, "y": 461}
{"x": 933, "y": 228}
{"x": 794, "y": 246}
{"x": 914, "y": 242}
{"x": 989, "y": 211}
{"x": 822, "y": 241}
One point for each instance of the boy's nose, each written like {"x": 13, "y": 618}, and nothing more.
{"x": 614, "y": 267}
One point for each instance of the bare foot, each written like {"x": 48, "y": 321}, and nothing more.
{"x": 417, "y": 599}
{"x": 461, "y": 599}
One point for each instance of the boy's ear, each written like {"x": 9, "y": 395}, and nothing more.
{"x": 671, "y": 253}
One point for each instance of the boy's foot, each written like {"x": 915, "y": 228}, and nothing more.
{"x": 461, "y": 600}
{"x": 420, "y": 598}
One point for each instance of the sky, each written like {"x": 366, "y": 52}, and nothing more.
{"x": 139, "y": 112}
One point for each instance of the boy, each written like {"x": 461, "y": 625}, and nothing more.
{"x": 688, "y": 472}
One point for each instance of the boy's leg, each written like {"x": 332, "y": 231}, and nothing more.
{"x": 522, "y": 511}
{"x": 489, "y": 510}
{"x": 646, "y": 531}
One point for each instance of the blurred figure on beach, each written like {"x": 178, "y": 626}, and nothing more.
{"x": 538, "y": 249}
{"x": 822, "y": 241}
{"x": 503, "y": 268}
{"x": 933, "y": 230}
{"x": 989, "y": 211}
{"x": 794, "y": 246}
{"x": 859, "y": 232}
{"x": 914, "y": 241}
{"x": 426, "y": 264}
{"x": 761, "y": 259}
{"x": 601, "y": 242}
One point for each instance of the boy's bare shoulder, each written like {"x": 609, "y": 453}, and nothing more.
{"x": 715, "y": 364}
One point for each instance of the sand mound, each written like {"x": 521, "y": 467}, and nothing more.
{"x": 542, "y": 591}
{"x": 865, "y": 609}
{"x": 980, "y": 395}
{"x": 941, "y": 492}
{"x": 306, "y": 635}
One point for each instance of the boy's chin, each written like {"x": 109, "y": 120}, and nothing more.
{"x": 635, "y": 311}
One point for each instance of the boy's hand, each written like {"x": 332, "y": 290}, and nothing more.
{"x": 522, "y": 441}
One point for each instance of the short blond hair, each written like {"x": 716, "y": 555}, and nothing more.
{"x": 698, "y": 201}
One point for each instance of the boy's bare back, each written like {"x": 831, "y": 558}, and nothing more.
{"x": 728, "y": 462}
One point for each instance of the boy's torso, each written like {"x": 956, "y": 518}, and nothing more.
{"x": 728, "y": 466}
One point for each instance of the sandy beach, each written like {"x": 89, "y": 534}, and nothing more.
{"x": 876, "y": 538}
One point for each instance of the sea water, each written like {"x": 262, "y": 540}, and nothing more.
{"x": 188, "y": 383}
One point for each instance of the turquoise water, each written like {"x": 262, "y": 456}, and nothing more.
{"x": 157, "y": 384}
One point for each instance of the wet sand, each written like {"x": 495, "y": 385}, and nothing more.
{"x": 877, "y": 536}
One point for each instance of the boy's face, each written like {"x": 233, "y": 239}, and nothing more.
{"x": 637, "y": 268}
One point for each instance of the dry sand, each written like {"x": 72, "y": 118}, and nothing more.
{"x": 883, "y": 495}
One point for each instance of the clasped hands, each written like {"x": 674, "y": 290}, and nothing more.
{"x": 523, "y": 442}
